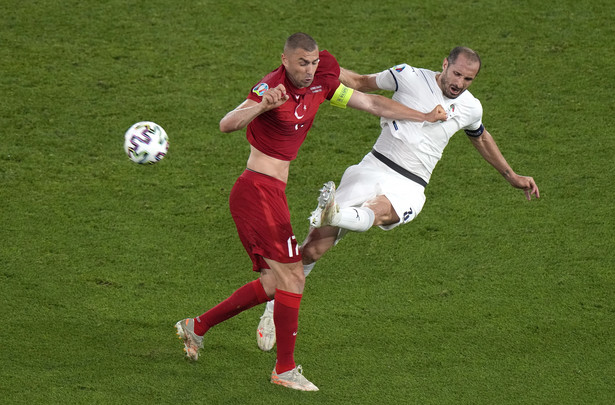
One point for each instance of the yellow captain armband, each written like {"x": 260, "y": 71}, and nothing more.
{"x": 341, "y": 96}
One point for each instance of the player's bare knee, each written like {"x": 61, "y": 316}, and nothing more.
{"x": 384, "y": 212}
{"x": 291, "y": 278}
{"x": 386, "y": 219}
{"x": 294, "y": 282}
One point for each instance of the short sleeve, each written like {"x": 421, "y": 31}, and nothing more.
{"x": 476, "y": 128}
{"x": 329, "y": 70}
{"x": 257, "y": 91}
{"x": 387, "y": 80}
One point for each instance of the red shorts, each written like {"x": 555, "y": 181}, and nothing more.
{"x": 260, "y": 211}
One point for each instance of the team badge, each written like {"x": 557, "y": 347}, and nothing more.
{"x": 400, "y": 69}
{"x": 451, "y": 111}
{"x": 260, "y": 89}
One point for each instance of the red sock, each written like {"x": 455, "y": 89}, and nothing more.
{"x": 286, "y": 320}
{"x": 244, "y": 298}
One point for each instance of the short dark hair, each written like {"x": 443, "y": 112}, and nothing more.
{"x": 300, "y": 40}
{"x": 471, "y": 54}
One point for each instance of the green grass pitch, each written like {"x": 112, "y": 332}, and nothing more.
{"x": 484, "y": 299}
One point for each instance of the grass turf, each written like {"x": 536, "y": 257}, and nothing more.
{"x": 484, "y": 298}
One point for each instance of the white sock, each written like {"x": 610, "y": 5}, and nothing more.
{"x": 358, "y": 219}
{"x": 307, "y": 268}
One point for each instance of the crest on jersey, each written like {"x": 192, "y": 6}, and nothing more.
{"x": 260, "y": 89}
{"x": 451, "y": 111}
{"x": 399, "y": 69}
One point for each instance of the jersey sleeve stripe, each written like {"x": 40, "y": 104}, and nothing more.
{"x": 394, "y": 78}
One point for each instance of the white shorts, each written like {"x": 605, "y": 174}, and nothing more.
{"x": 370, "y": 178}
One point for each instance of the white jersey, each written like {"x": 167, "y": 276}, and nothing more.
{"x": 418, "y": 146}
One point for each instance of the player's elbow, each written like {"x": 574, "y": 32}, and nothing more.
{"x": 375, "y": 104}
{"x": 226, "y": 126}
{"x": 364, "y": 102}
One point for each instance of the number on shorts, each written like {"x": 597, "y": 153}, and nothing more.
{"x": 292, "y": 241}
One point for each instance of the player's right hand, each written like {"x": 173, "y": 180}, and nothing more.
{"x": 275, "y": 97}
{"x": 437, "y": 114}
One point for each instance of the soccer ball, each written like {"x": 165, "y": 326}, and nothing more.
{"x": 146, "y": 142}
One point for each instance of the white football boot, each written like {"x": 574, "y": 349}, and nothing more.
{"x": 327, "y": 208}
{"x": 293, "y": 379}
{"x": 265, "y": 333}
{"x": 192, "y": 341}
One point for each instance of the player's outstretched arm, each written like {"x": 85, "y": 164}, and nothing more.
{"x": 363, "y": 83}
{"x": 241, "y": 116}
{"x": 486, "y": 146}
{"x": 385, "y": 107}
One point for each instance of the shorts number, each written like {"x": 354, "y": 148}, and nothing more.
{"x": 407, "y": 215}
{"x": 292, "y": 241}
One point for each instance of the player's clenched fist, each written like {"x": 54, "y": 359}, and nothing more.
{"x": 275, "y": 97}
{"x": 437, "y": 114}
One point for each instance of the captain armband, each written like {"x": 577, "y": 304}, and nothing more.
{"x": 475, "y": 132}
{"x": 341, "y": 96}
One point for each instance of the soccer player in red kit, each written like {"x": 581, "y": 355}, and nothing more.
{"x": 278, "y": 113}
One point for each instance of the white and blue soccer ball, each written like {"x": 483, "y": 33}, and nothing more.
{"x": 146, "y": 142}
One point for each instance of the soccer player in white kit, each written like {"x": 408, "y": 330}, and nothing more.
{"x": 387, "y": 188}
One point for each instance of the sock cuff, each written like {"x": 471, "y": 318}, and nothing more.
{"x": 357, "y": 219}
{"x": 371, "y": 215}
{"x": 259, "y": 290}
{"x": 288, "y": 299}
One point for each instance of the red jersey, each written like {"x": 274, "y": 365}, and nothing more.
{"x": 280, "y": 132}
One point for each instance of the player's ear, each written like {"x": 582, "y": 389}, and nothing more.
{"x": 284, "y": 60}
{"x": 444, "y": 64}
